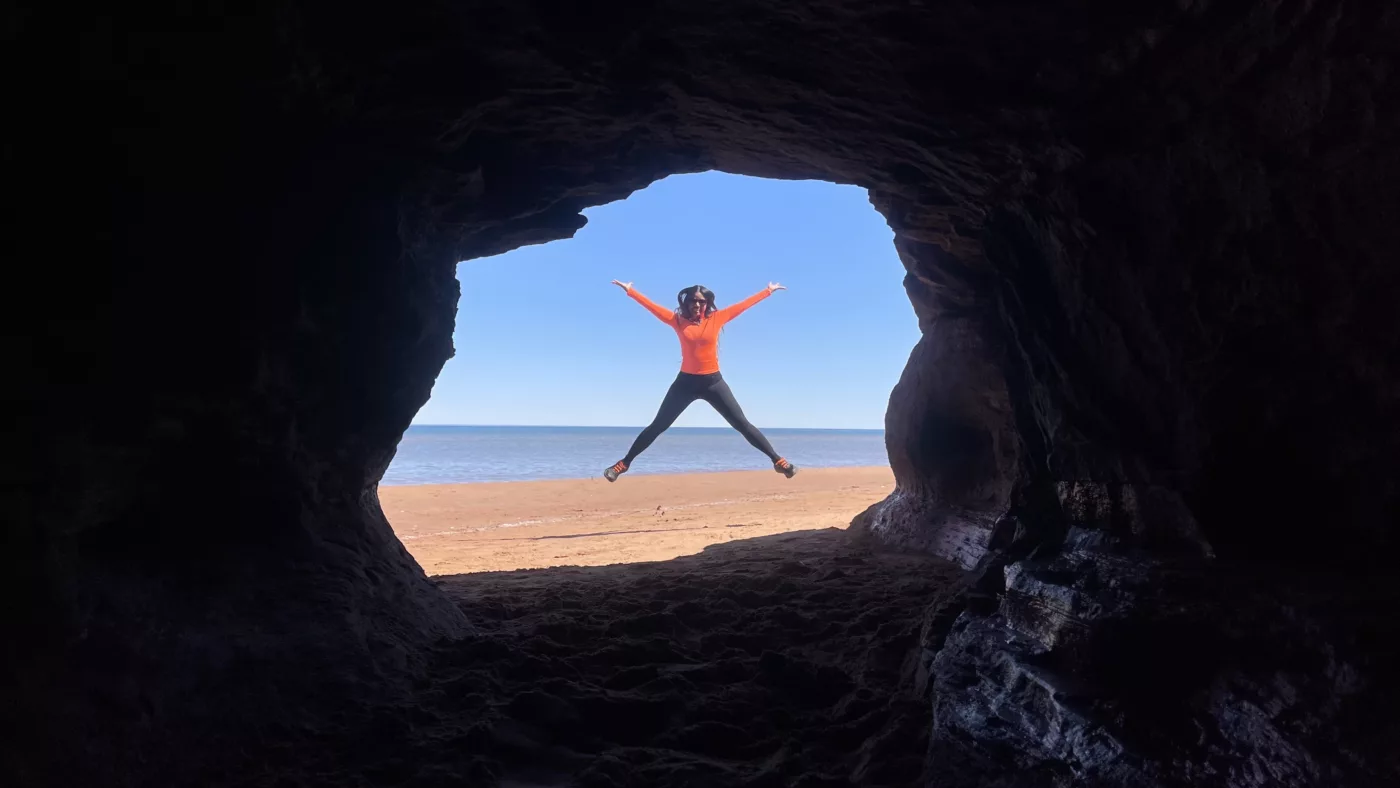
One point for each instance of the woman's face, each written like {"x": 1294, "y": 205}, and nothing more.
{"x": 695, "y": 306}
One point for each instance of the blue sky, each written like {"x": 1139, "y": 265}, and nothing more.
{"x": 543, "y": 338}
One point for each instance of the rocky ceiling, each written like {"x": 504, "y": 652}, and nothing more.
{"x": 1154, "y": 410}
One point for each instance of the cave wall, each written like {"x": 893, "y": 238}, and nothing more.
{"x": 949, "y": 428}
{"x": 1150, "y": 249}
{"x": 224, "y": 332}
{"x": 1194, "y": 568}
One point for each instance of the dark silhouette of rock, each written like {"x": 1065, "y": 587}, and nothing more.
{"x": 1154, "y": 410}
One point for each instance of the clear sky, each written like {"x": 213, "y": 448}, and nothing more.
{"x": 543, "y": 338}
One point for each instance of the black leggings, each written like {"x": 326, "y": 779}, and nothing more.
{"x": 686, "y": 390}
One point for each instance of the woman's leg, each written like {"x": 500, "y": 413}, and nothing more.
{"x": 677, "y": 399}
{"x": 719, "y": 395}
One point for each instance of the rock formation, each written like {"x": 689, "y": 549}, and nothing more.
{"x": 1154, "y": 409}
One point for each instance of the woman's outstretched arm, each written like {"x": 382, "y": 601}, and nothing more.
{"x": 662, "y": 313}
{"x": 734, "y": 310}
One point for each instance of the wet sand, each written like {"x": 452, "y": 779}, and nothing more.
{"x": 463, "y": 528}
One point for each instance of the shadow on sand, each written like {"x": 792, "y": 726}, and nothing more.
{"x": 784, "y": 660}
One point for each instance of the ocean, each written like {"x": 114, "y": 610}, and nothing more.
{"x": 451, "y": 455}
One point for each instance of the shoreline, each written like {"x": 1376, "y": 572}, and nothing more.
{"x": 500, "y": 526}
{"x": 634, "y": 428}
{"x": 801, "y": 469}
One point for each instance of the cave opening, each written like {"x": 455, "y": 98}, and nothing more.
{"x": 764, "y": 629}
{"x": 555, "y": 372}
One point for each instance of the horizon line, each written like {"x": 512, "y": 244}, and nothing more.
{"x": 636, "y": 427}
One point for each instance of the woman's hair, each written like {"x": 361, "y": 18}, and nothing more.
{"x": 688, "y": 295}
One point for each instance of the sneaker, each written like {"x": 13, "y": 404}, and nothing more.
{"x": 785, "y": 468}
{"x": 617, "y": 470}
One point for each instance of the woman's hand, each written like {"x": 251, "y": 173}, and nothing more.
{"x": 774, "y": 287}
{"x": 626, "y": 286}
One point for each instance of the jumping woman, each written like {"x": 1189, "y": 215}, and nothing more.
{"x": 697, "y": 322}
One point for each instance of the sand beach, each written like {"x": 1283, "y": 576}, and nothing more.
{"x": 501, "y": 526}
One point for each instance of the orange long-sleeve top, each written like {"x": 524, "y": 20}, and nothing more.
{"x": 699, "y": 341}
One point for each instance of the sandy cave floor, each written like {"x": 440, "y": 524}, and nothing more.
{"x": 766, "y": 647}
{"x": 779, "y": 660}
{"x": 782, "y": 659}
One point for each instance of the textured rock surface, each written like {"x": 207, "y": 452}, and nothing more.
{"x": 1152, "y": 246}
{"x": 1108, "y": 666}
